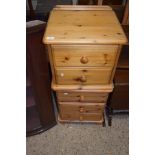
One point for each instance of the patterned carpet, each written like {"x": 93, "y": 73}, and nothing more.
{"x": 82, "y": 139}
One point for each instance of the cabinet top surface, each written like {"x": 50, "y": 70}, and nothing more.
{"x": 83, "y": 25}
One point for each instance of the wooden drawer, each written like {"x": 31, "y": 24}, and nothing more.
{"x": 83, "y": 75}
{"x": 70, "y": 96}
{"x": 78, "y": 107}
{"x": 81, "y": 117}
{"x": 84, "y": 56}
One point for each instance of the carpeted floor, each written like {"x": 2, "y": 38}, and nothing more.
{"x": 82, "y": 139}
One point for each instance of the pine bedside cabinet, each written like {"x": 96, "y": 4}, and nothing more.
{"x": 84, "y": 43}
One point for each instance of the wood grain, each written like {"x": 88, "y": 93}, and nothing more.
{"x": 49, "y": 48}
{"x": 83, "y": 75}
{"x": 71, "y": 96}
{"x": 83, "y": 88}
{"x": 83, "y": 27}
{"x": 78, "y": 107}
{"x": 81, "y": 117}
{"x": 72, "y": 55}
{"x": 85, "y": 44}
{"x": 116, "y": 62}
{"x": 62, "y": 120}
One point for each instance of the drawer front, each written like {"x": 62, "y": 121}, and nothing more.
{"x": 84, "y": 55}
{"x": 83, "y": 75}
{"x": 81, "y": 97}
{"x": 81, "y": 117}
{"x": 77, "y": 107}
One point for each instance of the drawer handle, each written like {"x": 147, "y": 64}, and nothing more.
{"x": 84, "y": 60}
{"x": 81, "y": 118}
{"x": 65, "y": 93}
{"x": 83, "y": 78}
{"x": 81, "y": 98}
{"x": 62, "y": 74}
{"x": 81, "y": 109}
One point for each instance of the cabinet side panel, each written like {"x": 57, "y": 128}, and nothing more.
{"x": 51, "y": 62}
{"x": 115, "y": 64}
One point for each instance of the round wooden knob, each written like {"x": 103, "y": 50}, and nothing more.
{"x": 84, "y": 60}
{"x": 65, "y": 93}
{"x": 62, "y": 74}
{"x": 81, "y": 118}
{"x": 83, "y": 79}
{"x": 81, "y": 97}
{"x": 81, "y": 109}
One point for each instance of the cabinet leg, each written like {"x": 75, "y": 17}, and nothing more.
{"x": 103, "y": 123}
{"x": 109, "y": 112}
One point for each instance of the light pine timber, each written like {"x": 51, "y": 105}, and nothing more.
{"x": 83, "y": 27}
{"x": 78, "y": 107}
{"x": 77, "y": 120}
{"x": 84, "y": 44}
{"x": 83, "y": 88}
{"x": 83, "y": 76}
{"x": 82, "y": 117}
{"x": 84, "y": 55}
{"x": 80, "y": 96}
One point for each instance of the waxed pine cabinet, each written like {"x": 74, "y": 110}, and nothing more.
{"x": 84, "y": 44}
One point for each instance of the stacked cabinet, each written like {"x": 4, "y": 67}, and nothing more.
{"x": 84, "y": 44}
